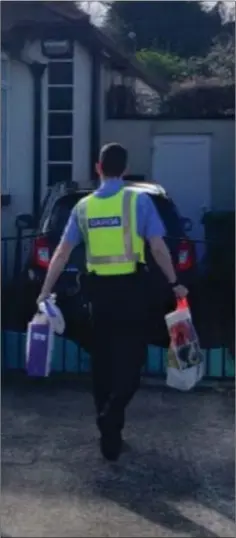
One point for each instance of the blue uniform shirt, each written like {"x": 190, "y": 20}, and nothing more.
{"x": 149, "y": 223}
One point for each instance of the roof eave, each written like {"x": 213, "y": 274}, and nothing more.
{"x": 90, "y": 37}
{"x": 126, "y": 62}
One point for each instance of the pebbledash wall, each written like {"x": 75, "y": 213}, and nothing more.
{"x": 19, "y": 131}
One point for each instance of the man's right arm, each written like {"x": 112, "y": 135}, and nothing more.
{"x": 71, "y": 237}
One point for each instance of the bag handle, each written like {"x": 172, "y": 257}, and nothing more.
{"x": 182, "y": 303}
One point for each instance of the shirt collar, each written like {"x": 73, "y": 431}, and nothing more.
{"x": 110, "y": 186}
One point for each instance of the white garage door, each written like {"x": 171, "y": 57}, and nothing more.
{"x": 182, "y": 165}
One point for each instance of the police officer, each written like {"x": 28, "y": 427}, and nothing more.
{"x": 114, "y": 222}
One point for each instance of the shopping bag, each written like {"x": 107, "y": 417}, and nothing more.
{"x": 185, "y": 363}
{"x": 40, "y": 337}
{"x": 39, "y": 346}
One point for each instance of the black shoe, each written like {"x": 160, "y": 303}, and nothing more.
{"x": 111, "y": 446}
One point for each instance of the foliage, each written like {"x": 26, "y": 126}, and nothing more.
{"x": 170, "y": 66}
{"x": 200, "y": 99}
{"x": 189, "y": 46}
{"x": 182, "y": 27}
{"x": 219, "y": 62}
{"x": 226, "y": 8}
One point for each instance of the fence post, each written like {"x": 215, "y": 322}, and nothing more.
{"x": 18, "y": 253}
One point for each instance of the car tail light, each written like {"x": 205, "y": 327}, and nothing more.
{"x": 186, "y": 255}
{"x": 41, "y": 252}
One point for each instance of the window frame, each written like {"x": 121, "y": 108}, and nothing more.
{"x": 70, "y": 163}
{"x": 5, "y": 86}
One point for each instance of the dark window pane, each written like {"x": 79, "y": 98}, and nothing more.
{"x": 60, "y": 98}
{"x": 60, "y": 149}
{"x": 60, "y": 124}
{"x": 60, "y": 73}
{"x": 61, "y": 212}
{"x": 59, "y": 172}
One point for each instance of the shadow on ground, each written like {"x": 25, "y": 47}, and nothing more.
{"x": 175, "y": 478}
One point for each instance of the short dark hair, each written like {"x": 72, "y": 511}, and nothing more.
{"x": 113, "y": 160}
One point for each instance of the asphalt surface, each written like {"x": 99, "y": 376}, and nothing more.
{"x": 175, "y": 477}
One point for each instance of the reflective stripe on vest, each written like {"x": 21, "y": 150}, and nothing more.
{"x": 129, "y": 255}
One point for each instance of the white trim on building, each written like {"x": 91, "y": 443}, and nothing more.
{"x": 56, "y": 164}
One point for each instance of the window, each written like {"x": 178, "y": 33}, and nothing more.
{"x": 59, "y": 149}
{"x": 60, "y": 124}
{"x": 4, "y": 123}
{"x": 61, "y": 212}
{"x": 60, "y": 98}
{"x": 60, "y": 120}
{"x": 59, "y": 172}
{"x": 129, "y": 98}
{"x": 60, "y": 73}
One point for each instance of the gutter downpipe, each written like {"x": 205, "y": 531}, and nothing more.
{"x": 37, "y": 70}
{"x": 95, "y": 107}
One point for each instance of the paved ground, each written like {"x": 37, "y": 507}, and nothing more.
{"x": 176, "y": 477}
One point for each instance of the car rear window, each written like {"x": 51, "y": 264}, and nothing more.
{"x": 61, "y": 212}
{"x": 169, "y": 215}
{"x": 165, "y": 206}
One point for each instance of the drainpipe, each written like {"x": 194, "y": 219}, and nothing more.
{"x": 37, "y": 70}
{"x": 95, "y": 107}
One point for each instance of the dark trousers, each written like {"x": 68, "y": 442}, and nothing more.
{"x": 119, "y": 316}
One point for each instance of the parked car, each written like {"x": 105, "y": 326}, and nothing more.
{"x": 21, "y": 294}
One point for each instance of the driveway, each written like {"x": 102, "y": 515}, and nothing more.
{"x": 175, "y": 478}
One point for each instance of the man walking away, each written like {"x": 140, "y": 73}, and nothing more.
{"x": 114, "y": 222}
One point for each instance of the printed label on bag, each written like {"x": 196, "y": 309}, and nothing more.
{"x": 38, "y": 336}
{"x": 184, "y": 343}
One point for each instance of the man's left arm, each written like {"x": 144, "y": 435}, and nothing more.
{"x": 151, "y": 228}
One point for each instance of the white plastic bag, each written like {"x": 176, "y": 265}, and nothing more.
{"x": 185, "y": 365}
{"x": 53, "y": 314}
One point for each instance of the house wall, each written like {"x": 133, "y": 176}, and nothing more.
{"x": 20, "y": 145}
{"x": 32, "y": 53}
{"x": 82, "y": 117}
{"x": 137, "y": 136}
{"x": 20, "y": 131}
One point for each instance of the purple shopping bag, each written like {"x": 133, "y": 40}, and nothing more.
{"x": 39, "y": 346}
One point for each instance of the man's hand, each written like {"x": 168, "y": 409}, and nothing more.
{"x": 42, "y": 297}
{"x": 162, "y": 257}
{"x": 180, "y": 291}
{"x": 56, "y": 266}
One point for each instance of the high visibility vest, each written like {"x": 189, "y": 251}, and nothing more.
{"x": 109, "y": 228}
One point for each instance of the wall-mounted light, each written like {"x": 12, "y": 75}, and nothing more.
{"x": 60, "y": 48}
